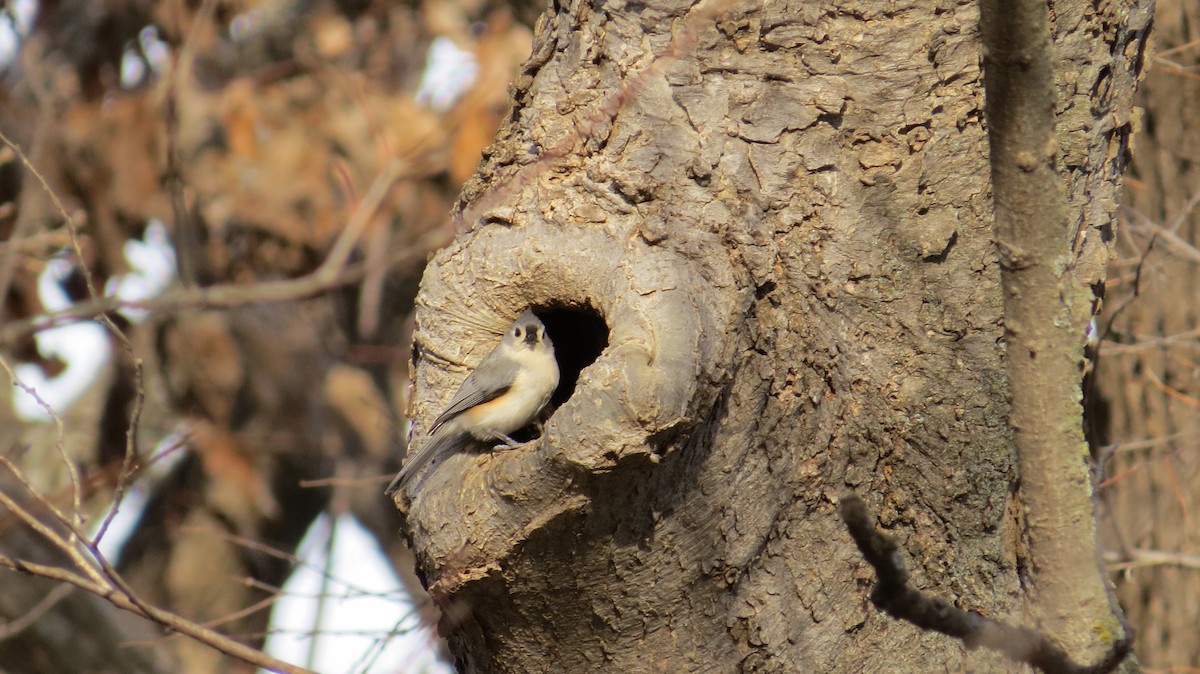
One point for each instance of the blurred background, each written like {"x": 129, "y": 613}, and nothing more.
{"x": 213, "y": 220}
{"x": 209, "y": 155}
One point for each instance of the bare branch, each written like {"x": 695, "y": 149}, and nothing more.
{"x": 66, "y": 545}
{"x": 120, "y": 596}
{"x": 128, "y": 463}
{"x": 14, "y": 627}
{"x": 59, "y": 434}
{"x": 225, "y": 296}
{"x": 1046, "y": 309}
{"x": 120, "y": 336}
{"x": 893, "y": 595}
{"x": 1139, "y": 557}
{"x": 97, "y": 576}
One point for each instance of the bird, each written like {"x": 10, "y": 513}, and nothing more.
{"x": 507, "y": 391}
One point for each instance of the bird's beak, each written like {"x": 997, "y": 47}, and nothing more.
{"x": 531, "y": 337}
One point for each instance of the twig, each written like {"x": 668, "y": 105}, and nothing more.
{"x": 118, "y": 334}
{"x": 225, "y": 296}
{"x": 59, "y": 434}
{"x": 128, "y": 463}
{"x": 167, "y": 619}
{"x": 65, "y": 544}
{"x": 22, "y": 230}
{"x": 263, "y": 548}
{"x": 1139, "y": 557}
{"x": 96, "y": 575}
{"x": 366, "y": 661}
{"x": 276, "y": 593}
{"x": 14, "y": 627}
{"x": 1149, "y": 443}
{"x": 41, "y": 243}
{"x": 100, "y": 579}
{"x": 893, "y": 595}
{"x": 1175, "y": 242}
{"x": 1182, "y": 397}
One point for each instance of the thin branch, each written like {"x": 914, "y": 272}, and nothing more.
{"x": 118, "y": 594}
{"x": 1182, "y": 397}
{"x": 98, "y": 566}
{"x": 366, "y": 661}
{"x": 1149, "y": 443}
{"x": 276, "y": 593}
{"x": 323, "y": 594}
{"x": 42, "y": 244}
{"x": 1177, "y": 243}
{"x": 206, "y": 636}
{"x": 53, "y": 573}
{"x": 22, "y": 230}
{"x": 187, "y": 240}
{"x": 65, "y": 544}
{"x": 119, "y": 335}
{"x": 1139, "y": 557}
{"x": 14, "y": 627}
{"x": 225, "y": 296}
{"x": 101, "y": 579}
{"x": 1180, "y": 48}
{"x": 297, "y": 561}
{"x": 893, "y": 595}
{"x": 129, "y": 462}
{"x": 362, "y": 216}
{"x": 1046, "y": 308}
{"x": 59, "y": 444}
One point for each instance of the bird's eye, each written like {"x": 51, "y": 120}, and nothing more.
{"x": 517, "y": 332}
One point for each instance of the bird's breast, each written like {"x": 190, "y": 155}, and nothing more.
{"x": 518, "y": 406}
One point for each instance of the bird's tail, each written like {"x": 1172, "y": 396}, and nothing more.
{"x": 441, "y": 445}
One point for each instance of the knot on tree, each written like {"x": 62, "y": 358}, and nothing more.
{"x": 628, "y": 321}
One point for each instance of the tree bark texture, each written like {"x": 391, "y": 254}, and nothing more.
{"x": 1144, "y": 406}
{"x": 782, "y": 214}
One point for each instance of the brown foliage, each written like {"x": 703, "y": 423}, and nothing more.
{"x": 265, "y": 131}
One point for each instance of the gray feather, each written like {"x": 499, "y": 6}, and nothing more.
{"x": 480, "y": 388}
{"x": 440, "y": 446}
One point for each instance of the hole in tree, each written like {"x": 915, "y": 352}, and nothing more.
{"x": 579, "y": 335}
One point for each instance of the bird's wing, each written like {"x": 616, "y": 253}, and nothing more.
{"x": 489, "y": 380}
{"x": 437, "y": 448}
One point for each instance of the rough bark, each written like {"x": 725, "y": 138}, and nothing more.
{"x": 1144, "y": 408}
{"x": 787, "y": 232}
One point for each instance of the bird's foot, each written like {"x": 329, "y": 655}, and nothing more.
{"x": 506, "y": 442}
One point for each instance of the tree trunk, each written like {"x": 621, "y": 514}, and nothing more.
{"x": 782, "y": 217}
{"x": 1145, "y": 408}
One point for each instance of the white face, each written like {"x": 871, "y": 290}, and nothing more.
{"x": 530, "y": 334}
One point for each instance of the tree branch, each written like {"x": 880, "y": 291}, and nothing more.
{"x": 101, "y": 579}
{"x": 1046, "y": 309}
{"x": 893, "y": 595}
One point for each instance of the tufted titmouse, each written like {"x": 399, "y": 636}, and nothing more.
{"x": 507, "y": 390}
